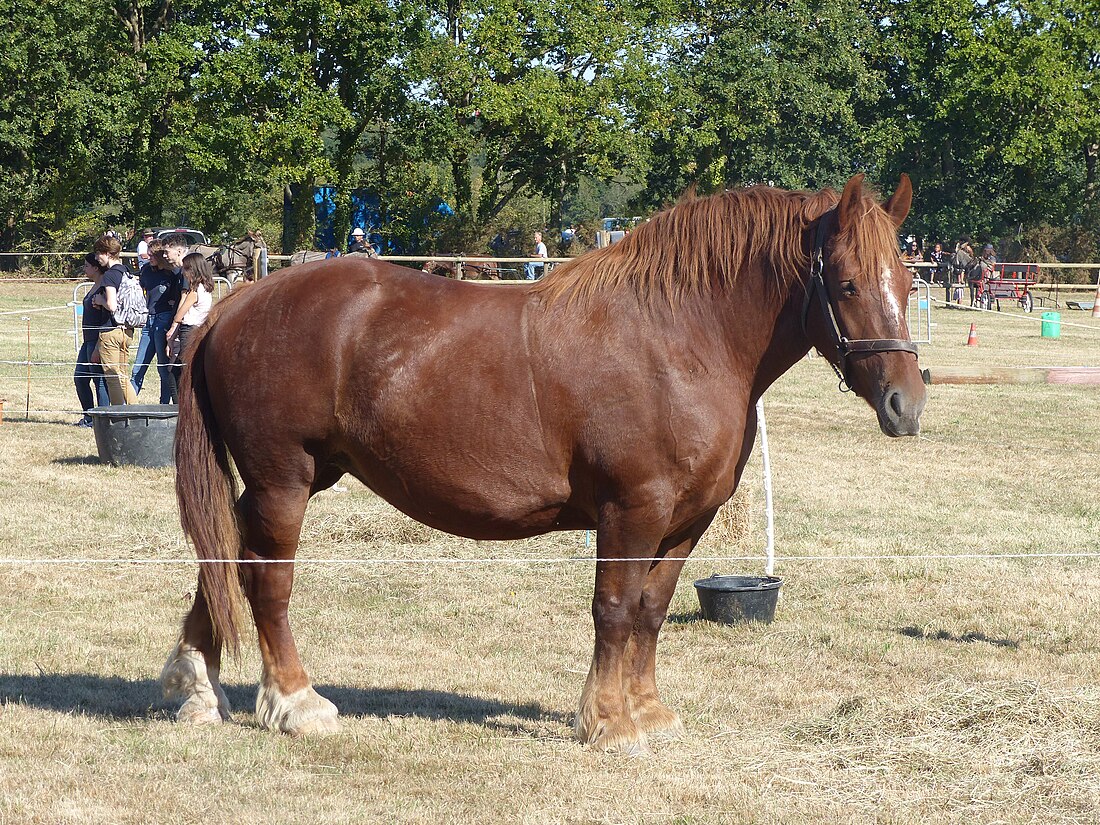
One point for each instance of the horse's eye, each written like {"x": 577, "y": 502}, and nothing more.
{"x": 848, "y": 287}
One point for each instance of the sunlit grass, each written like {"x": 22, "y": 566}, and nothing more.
{"x": 919, "y": 690}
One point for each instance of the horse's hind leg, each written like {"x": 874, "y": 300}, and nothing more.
{"x": 272, "y": 521}
{"x": 191, "y": 672}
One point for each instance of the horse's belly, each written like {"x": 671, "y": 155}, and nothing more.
{"x": 482, "y": 495}
{"x": 496, "y": 510}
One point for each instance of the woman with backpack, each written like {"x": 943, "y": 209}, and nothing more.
{"x": 113, "y": 349}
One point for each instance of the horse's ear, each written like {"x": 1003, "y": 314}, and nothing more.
{"x": 848, "y": 209}
{"x": 900, "y": 202}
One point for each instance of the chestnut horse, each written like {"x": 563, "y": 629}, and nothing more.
{"x": 625, "y": 405}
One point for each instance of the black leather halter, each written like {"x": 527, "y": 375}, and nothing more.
{"x": 844, "y": 346}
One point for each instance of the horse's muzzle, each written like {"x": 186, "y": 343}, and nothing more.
{"x": 899, "y": 411}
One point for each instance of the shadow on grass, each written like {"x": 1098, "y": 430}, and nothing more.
{"x": 111, "y": 697}
{"x": 965, "y": 638}
{"x": 691, "y": 617}
{"x": 77, "y": 460}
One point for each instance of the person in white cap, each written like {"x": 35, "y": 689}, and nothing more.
{"x": 358, "y": 241}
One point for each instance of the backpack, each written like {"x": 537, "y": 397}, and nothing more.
{"x": 131, "y": 310}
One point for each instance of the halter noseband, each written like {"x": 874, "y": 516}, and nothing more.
{"x": 844, "y": 346}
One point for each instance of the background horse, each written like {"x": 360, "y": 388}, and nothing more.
{"x": 628, "y": 406}
{"x": 471, "y": 271}
{"x": 238, "y": 260}
{"x": 309, "y": 256}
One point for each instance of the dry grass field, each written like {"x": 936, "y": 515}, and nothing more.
{"x": 890, "y": 690}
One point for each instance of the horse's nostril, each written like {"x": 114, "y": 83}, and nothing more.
{"x": 894, "y": 400}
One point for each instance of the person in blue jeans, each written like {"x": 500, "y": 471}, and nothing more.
{"x": 88, "y": 374}
{"x": 161, "y": 284}
{"x": 533, "y": 270}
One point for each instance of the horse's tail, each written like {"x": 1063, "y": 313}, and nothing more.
{"x": 206, "y": 490}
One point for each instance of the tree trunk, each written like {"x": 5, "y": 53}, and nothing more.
{"x": 947, "y": 169}
{"x": 346, "y": 145}
{"x": 299, "y": 216}
{"x": 557, "y": 220}
{"x": 1091, "y": 150}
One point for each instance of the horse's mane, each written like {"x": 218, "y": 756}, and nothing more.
{"x": 702, "y": 244}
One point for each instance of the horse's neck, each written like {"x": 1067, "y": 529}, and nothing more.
{"x": 763, "y": 325}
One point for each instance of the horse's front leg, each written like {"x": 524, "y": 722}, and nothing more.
{"x": 604, "y": 719}
{"x": 649, "y": 713}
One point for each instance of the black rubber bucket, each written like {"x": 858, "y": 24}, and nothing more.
{"x": 140, "y": 434}
{"x": 736, "y": 599}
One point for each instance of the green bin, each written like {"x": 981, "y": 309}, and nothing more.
{"x": 1052, "y": 325}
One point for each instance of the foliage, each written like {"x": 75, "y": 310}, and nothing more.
{"x": 539, "y": 113}
{"x": 761, "y": 93}
{"x": 996, "y": 106}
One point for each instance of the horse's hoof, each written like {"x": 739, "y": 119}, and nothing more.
{"x": 658, "y": 722}
{"x": 669, "y": 734}
{"x": 197, "y": 712}
{"x": 185, "y": 676}
{"x": 622, "y": 745}
{"x": 620, "y": 736}
{"x": 318, "y": 726}
{"x": 303, "y": 713}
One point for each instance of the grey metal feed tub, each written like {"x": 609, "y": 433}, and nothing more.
{"x": 139, "y": 434}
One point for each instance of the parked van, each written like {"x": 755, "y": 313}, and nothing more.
{"x": 194, "y": 236}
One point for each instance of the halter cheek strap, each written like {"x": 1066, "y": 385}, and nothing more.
{"x": 844, "y": 346}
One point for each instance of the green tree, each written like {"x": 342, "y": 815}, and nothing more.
{"x": 536, "y": 95}
{"x": 65, "y": 133}
{"x": 995, "y": 106}
{"x": 764, "y": 93}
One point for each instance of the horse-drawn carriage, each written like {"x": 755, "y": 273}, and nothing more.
{"x": 1008, "y": 282}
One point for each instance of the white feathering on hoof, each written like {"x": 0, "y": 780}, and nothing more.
{"x": 185, "y": 676}
{"x": 303, "y": 713}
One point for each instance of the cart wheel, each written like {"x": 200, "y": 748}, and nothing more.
{"x": 1027, "y": 303}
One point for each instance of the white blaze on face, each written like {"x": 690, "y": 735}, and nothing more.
{"x": 889, "y": 299}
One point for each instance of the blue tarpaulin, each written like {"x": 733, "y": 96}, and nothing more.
{"x": 366, "y": 212}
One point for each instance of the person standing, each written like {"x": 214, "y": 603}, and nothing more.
{"x": 91, "y": 389}
{"x": 175, "y": 247}
{"x": 912, "y": 255}
{"x": 533, "y": 269}
{"x": 197, "y": 282}
{"x": 143, "y": 248}
{"x": 113, "y": 347}
{"x": 161, "y": 285}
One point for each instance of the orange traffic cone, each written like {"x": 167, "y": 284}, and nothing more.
{"x": 972, "y": 338}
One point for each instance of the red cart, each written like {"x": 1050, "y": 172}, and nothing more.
{"x": 1011, "y": 282}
